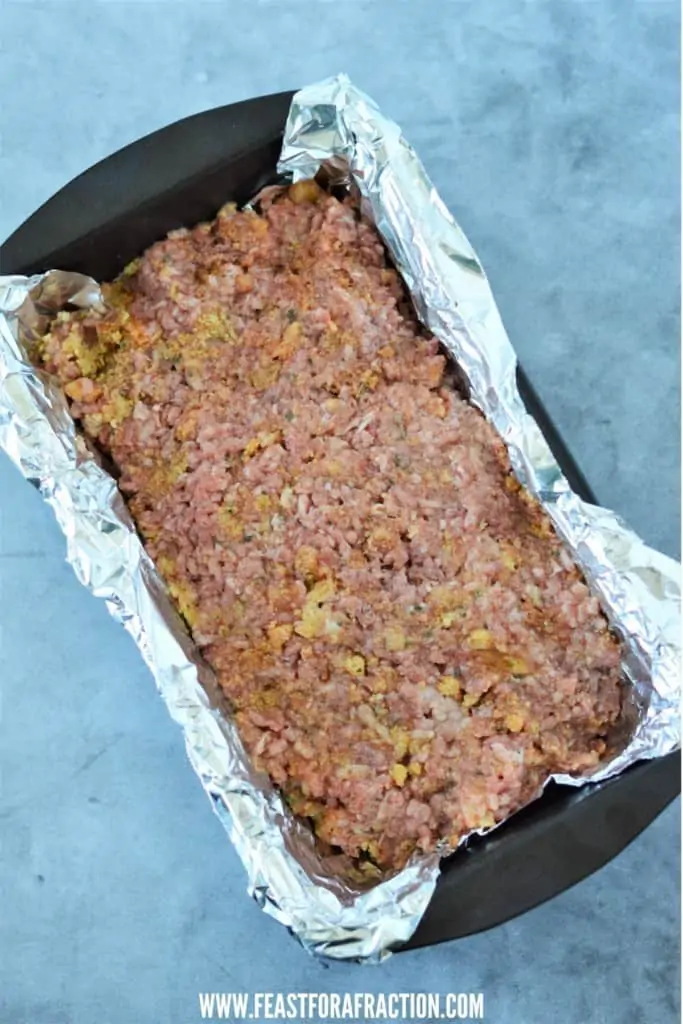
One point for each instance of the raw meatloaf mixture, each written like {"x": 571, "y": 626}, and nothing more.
{"x": 408, "y": 649}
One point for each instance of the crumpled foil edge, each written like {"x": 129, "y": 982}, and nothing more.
{"x": 286, "y": 875}
{"x": 334, "y": 124}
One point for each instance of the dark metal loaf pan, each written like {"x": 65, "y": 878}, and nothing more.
{"x": 181, "y": 175}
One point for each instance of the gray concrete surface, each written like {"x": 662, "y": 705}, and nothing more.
{"x": 551, "y": 129}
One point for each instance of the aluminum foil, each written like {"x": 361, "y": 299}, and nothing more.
{"x": 332, "y": 124}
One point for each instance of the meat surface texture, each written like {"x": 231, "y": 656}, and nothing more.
{"x": 408, "y": 649}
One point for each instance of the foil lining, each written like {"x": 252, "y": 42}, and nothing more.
{"x": 333, "y": 126}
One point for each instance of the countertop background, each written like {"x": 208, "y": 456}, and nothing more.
{"x": 551, "y": 130}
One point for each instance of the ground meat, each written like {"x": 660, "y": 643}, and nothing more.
{"x": 407, "y": 646}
